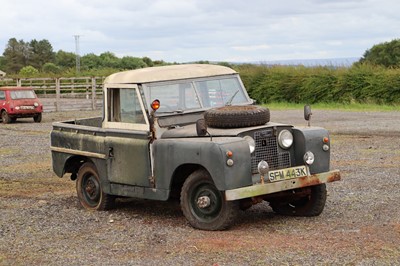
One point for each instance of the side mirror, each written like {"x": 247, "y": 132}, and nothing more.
{"x": 201, "y": 127}
{"x": 307, "y": 112}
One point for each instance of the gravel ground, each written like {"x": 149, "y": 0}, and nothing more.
{"x": 42, "y": 223}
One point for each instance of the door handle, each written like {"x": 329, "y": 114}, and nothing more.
{"x": 110, "y": 152}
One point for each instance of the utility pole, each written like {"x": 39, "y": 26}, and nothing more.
{"x": 78, "y": 57}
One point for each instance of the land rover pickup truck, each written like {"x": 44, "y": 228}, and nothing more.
{"x": 191, "y": 131}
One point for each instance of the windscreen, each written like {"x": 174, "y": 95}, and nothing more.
{"x": 221, "y": 92}
{"x": 194, "y": 95}
{"x": 22, "y": 94}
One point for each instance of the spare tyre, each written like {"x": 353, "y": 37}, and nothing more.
{"x": 237, "y": 116}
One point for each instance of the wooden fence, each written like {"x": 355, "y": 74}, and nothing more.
{"x": 62, "y": 94}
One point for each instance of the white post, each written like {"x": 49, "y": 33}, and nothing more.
{"x": 58, "y": 95}
{"x": 93, "y": 93}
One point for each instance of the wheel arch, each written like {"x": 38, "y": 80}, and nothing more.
{"x": 180, "y": 174}
{"x": 73, "y": 163}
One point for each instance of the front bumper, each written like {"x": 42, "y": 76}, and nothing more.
{"x": 24, "y": 114}
{"x": 269, "y": 188}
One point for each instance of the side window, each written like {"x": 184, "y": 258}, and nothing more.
{"x": 124, "y": 106}
{"x": 2, "y": 95}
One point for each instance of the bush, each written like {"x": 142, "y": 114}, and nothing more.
{"x": 28, "y": 72}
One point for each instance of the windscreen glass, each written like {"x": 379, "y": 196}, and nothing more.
{"x": 22, "y": 94}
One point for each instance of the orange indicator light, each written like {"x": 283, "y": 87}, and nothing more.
{"x": 155, "y": 105}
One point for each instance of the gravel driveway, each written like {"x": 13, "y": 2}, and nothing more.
{"x": 42, "y": 223}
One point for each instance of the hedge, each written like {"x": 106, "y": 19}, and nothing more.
{"x": 299, "y": 84}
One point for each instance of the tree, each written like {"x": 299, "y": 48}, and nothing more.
{"x": 385, "y": 54}
{"x": 65, "y": 59}
{"x": 90, "y": 61}
{"x": 41, "y": 53}
{"x": 148, "y": 61}
{"x": 28, "y": 71}
{"x": 2, "y": 63}
{"x": 130, "y": 62}
{"x": 16, "y": 55}
{"x": 108, "y": 59}
{"x": 51, "y": 68}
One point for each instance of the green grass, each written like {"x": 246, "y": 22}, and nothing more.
{"x": 354, "y": 107}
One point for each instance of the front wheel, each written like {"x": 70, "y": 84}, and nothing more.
{"x": 204, "y": 206}
{"x": 37, "y": 118}
{"x": 311, "y": 205}
{"x": 5, "y": 117}
{"x": 90, "y": 193}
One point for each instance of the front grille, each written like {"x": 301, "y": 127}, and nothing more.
{"x": 267, "y": 150}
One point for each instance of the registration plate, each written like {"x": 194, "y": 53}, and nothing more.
{"x": 27, "y": 107}
{"x": 287, "y": 173}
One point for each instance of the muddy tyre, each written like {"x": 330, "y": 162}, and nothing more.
{"x": 88, "y": 187}
{"x": 237, "y": 116}
{"x": 311, "y": 205}
{"x": 204, "y": 206}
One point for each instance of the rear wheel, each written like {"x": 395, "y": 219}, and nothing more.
{"x": 37, "y": 118}
{"x": 204, "y": 206}
{"x": 90, "y": 193}
{"x": 311, "y": 205}
{"x": 5, "y": 117}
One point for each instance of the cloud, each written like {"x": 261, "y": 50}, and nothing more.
{"x": 190, "y": 30}
{"x": 251, "y": 47}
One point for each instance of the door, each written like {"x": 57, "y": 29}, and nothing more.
{"x": 127, "y": 137}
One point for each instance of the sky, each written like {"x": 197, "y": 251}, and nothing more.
{"x": 215, "y": 30}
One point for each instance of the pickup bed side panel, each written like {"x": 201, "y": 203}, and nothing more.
{"x": 67, "y": 143}
{"x": 169, "y": 154}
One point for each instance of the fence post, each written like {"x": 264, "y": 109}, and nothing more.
{"x": 19, "y": 82}
{"x": 93, "y": 93}
{"x": 58, "y": 94}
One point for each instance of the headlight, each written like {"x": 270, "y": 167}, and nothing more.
{"x": 17, "y": 107}
{"x": 308, "y": 158}
{"x": 36, "y": 104}
{"x": 251, "y": 142}
{"x": 285, "y": 139}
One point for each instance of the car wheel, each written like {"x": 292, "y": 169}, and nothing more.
{"x": 237, "y": 116}
{"x": 311, "y": 205}
{"x": 37, "y": 118}
{"x": 5, "y": 117}
{"x": 204, "y": 206}
{"x": 90, "y": 193}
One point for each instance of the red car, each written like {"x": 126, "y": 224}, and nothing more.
{"x": 19, "y": 102}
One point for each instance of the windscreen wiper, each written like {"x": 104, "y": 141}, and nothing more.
{"x": 231, "y": 99}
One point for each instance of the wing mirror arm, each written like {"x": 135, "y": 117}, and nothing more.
{"x": 307, "y": 114}
{"x": 201, "y": 128}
